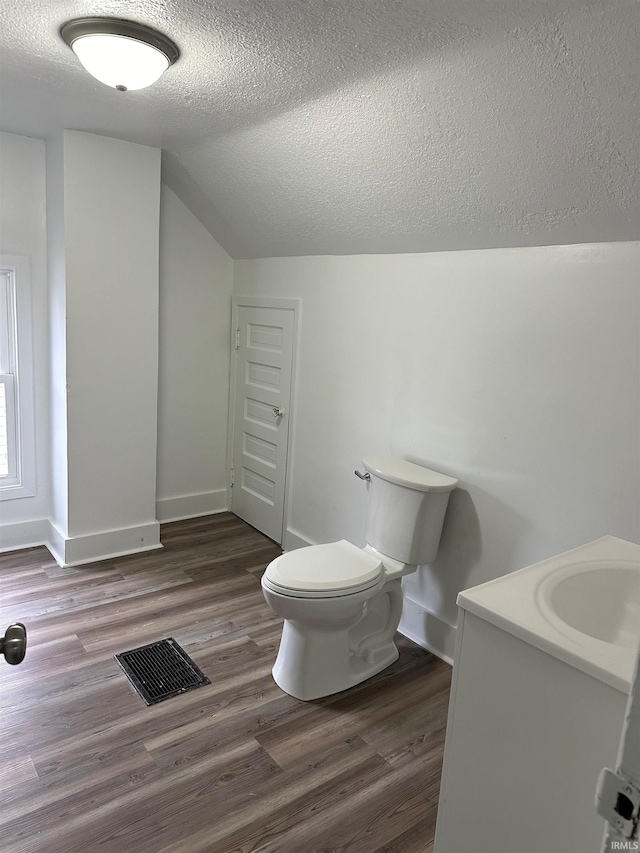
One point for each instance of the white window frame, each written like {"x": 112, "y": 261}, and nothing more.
{"x": 16, "y": 374}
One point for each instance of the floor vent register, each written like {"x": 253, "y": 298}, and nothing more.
{"x": 161, "y": 670}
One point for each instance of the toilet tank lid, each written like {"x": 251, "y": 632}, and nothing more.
{"x": 408, "y": 474}
{"x": 336, "y": 565}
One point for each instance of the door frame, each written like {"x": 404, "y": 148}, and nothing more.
{"x": 286, "y": 304}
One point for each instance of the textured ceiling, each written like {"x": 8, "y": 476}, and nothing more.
{"x": 344, "y": 126}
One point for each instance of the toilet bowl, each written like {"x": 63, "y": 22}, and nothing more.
{"x": 341, "y": 604}
{"x": 341, "y": 607}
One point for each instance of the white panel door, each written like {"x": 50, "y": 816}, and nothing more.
{"x": 264, "y": 355}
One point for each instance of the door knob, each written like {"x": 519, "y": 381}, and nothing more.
{"x": 278, "y": 411}
{"x": 14, "y": 643}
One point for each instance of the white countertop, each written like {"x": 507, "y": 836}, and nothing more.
{"x": 519, "y": 604}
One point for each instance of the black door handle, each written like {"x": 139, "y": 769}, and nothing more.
{"x": 14, "y": 643}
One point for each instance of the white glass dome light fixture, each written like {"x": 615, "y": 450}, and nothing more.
{"x": 121, "y": 54}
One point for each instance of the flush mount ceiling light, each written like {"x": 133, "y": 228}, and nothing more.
{"x": 121, "y": 54}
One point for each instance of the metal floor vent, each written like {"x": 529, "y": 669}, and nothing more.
{"x": 161, "y": 670}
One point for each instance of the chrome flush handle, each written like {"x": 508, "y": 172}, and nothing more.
{"x": 366, "y": 476}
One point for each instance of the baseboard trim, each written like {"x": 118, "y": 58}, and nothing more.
{"x": 428, "y": 631}
{"x": 55, "y": 542}
{"x": 191, "y": 506}
{"x": 111, "y": 543}
{"x": 24, "y": 534}
{"x": 76, "y": 550}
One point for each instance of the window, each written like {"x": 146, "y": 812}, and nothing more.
{"x": 17, "y": 462}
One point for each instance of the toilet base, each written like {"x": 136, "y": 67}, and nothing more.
{"x": 330, "y": 645}
{"x": 314, "y": 664}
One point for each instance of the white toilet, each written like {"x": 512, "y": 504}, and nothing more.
{"x": 342, "y": 604}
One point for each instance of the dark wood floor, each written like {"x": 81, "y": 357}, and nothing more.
{"x": 237, "y": 765}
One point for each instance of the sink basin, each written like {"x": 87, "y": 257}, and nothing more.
{"x": 582, "y": 607}
{"x": 600, "y": 599}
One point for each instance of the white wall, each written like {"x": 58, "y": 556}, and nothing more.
{"x": 196, "y": 280}
{"x": 56, "y": 270}
{"x": 23, "y": 232}
{"x": 123, "y": 283}
{"x": 111, "y": 219}
{"x": 515, "y": 370}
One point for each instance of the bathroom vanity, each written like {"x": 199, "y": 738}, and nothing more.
{"x": 543, "y": 664}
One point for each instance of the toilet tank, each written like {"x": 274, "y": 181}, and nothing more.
{"x": 407, "y": 505}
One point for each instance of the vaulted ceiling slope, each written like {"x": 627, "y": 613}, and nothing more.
{"x": 344, "y": 126}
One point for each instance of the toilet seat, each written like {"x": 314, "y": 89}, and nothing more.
{"x": 318, "y": 594}
{"x": 324, "y": 571}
